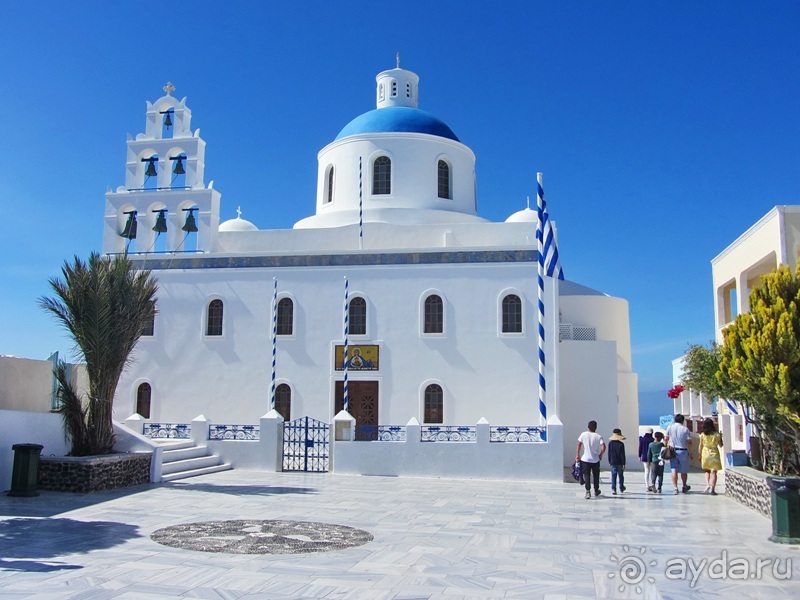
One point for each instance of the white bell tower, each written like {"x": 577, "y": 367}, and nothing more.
{"x": 164, "y": 192}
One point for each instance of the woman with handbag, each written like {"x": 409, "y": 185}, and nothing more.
{"x": 710, "y": 460}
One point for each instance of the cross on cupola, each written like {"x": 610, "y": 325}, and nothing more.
{"x": 169, "y": 88}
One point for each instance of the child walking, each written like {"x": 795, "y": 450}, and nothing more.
{"x": 654, "y": 456}
{"x": 616, "y": 458}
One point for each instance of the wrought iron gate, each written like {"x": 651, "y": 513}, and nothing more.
{"x": 305, "y": 445}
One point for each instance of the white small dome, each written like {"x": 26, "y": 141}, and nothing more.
{"x": 526, "y": 215}
{"x": 237, "y": 224}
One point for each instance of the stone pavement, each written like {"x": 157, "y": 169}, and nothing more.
{"x": 431, "y": 538}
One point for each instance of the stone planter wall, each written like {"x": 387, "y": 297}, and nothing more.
{"x": 749, "y": 487}
{"x": 93, "y": 473}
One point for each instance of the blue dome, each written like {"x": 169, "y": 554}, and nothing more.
{"x": 397, "y": 119}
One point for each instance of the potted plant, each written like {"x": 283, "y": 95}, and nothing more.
{"x": 760, "y": 366}
{"x": 105, "y": 305}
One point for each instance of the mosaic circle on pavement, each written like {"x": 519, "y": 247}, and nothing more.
{"x": 261, "y": 537}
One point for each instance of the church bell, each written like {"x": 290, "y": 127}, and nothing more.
{"x": 161, "y": 221}
{"x": 168, "y": 118}
{"x": 178, "y": 168}
{"x": 190, "y": 226}
{"x": 150, "y": 171}
{"x": 130, "y": 226}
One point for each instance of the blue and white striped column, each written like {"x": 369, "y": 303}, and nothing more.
{"x": 360, "y": 208}
{"x": 274, "y": 336}
{"x": 540, "y": 281}
{"x": 345, "y": 358}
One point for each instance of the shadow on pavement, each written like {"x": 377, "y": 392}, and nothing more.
{"x": 27, "y": 539}
{"x": 238, "y": 490}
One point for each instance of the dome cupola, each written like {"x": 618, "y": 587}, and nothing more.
{"x": 395, "y": 164}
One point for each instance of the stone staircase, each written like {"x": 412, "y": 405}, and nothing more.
{"x": 185, "y": 459}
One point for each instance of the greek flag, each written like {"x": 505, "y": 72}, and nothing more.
{"x": 550, "y": 264}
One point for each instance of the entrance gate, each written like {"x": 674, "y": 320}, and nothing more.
{"x": 305, "y": 445}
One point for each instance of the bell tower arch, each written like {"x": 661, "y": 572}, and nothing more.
{"x": 165, "y": 168}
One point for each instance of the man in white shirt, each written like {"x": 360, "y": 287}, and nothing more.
{"x": 591, "y": 448}
{"x": 680, "y": 438}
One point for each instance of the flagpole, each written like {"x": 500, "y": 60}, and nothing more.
{"x": 540, "y": 281}
{"x": 345, "y": 361}
{"x": 274, "y": 336}
{"x": 548, "y": 264}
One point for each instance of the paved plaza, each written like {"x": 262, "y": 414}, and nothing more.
{"x": 415, "y": 538}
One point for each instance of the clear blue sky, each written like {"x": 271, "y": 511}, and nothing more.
{"x": 664, "y": 129}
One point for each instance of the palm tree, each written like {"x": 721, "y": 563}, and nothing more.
{"x": 104, "y": 304}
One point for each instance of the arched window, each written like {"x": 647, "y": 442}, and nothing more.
{"x": 283, "y": 401}
{"x": 143, "y": 394}
{"x": 444, "y": 180}
{"x": 382, "y": 175}
{"x": 329, "y": 186}
{"x": 434, "y": 315}
{"x": 434, "y": 404}
{"x": 357, "y": 316}
{"x": 214, "y": 324}
{"x": 512, "y": 314}
{"x": 149, "y": 329}
{"x": 380, "y": 92}
{"x": 285, "y": 316}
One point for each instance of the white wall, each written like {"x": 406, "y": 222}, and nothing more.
{"x": 589, "y": 392}
{"x": 25, "y": 427}
{"x": 483, "y": 373}
{"x": 467, "y": 460}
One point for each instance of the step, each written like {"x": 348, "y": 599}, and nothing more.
{"x": 171, "y": 455}
{"x": 189, "y": 464}
{"x": 172, "y": 444}
{"x": 196, "y": 472}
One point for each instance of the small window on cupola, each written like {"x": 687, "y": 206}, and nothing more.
{"x": 408, "y": 89}
{"x": 381, "y": 92}
{"x": 329, "y": 185}
{"x": 382, "y": 175}
{"x": 444, "y": 180}
{"x": 394, "y": 88}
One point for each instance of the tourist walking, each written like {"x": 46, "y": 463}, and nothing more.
{"x": 591, "y": 448}
{"x": 616, "y": 458}
{"x": 644, "y": 451}
{"x": 679, "y": 438}
{"x": 654, "y": 458}
{"x": 710, "y": 443}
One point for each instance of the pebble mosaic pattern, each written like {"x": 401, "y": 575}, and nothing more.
{"x": 261, "y": 537}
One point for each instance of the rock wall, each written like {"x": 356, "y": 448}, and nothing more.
{"x": 93, "y": 473}
{"x": 749, "y": 487}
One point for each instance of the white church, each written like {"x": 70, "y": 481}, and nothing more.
{"x": 441, "y": 304}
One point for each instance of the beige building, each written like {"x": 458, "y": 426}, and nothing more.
{"x": 772, "y": 241}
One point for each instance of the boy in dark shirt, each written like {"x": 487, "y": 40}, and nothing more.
{"x": 616, "y": 458}
{"x": 654, "y": 456}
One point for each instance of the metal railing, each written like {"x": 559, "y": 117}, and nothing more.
{"x": 178, "y": 431}
{"x": 234, "y": 432}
